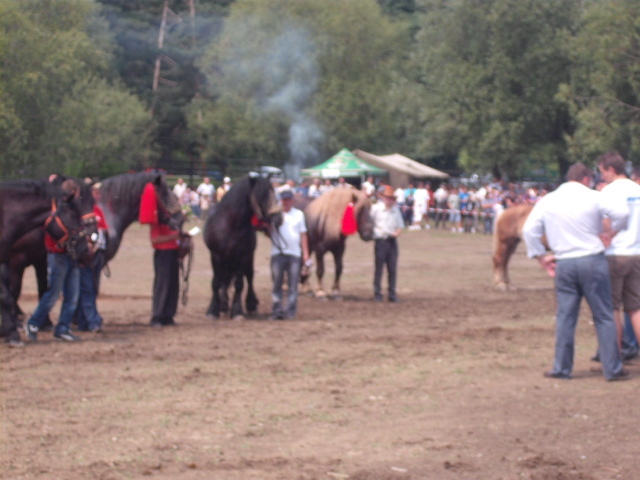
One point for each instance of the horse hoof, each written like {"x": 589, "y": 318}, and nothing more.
{"x": 321, "y": 294}
{"x": 503, "y": 287}
{"x": 238, "y": 317}
{"x": 212, "y": 316}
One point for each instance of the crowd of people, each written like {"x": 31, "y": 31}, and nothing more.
{"x": 196, "y": 202}
{"x": 453, "y": 205}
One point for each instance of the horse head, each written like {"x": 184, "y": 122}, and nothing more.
{"x": 72, "y": 222}
{"x": 362, "y": 206}
{"x": 267, "y": 214}
{"x": 169, "y": 211}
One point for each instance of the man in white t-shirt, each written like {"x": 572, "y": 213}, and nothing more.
{"x": 206, "y": 189}
{"x": 623, "y": 249}
{"x": 179, "y": 188}
{"x": 288, "y": 245}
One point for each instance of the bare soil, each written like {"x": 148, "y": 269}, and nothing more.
{"x": 446, "y": 384}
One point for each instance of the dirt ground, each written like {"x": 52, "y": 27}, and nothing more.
{"x": 446, "y": 384}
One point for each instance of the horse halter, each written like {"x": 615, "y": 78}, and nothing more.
{"x": 69, "y": 239}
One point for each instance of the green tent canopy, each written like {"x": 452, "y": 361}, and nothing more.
{"x": 342, "y": 164}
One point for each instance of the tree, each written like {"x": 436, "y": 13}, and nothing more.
{"x": 490, "y": 71}
{"x": 604, "y": 91}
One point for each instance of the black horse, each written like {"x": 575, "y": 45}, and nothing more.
{"x": 230, "y": 235}
{"x": 62, "y": 206}
{"x": 120, "y": 202}
{"x": 324, "y": 218}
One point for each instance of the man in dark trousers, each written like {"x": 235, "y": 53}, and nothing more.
{"x": 571, "y": 218}
{"x": 388, "y": 224}
{"x": 165, "y": 241}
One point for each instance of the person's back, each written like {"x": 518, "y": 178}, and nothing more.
{"x": 572, "y": 216}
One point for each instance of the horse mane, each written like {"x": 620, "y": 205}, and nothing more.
{"x": 238, "y": 195}
{"x": 41, "y": 187}
{"x": 325, "y": 213}
{"x": 125, "y": 188}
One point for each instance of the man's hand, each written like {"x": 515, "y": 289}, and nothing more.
{"x": 548, "y": 262}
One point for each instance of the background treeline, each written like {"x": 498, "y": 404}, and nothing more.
{"x": 520, "y": 88}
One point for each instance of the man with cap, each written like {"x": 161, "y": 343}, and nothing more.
{"x": 387, "y": 226}
{"x": 222, "y": 189}
{"x": 292, "y": 243}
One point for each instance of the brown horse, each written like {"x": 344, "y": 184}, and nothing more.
{"x": 507, "y": 233}
{"x": 324, "y": 225}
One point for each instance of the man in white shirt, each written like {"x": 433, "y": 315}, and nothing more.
{"x": 623, "y": 253}
{"x": 387, "y": 226}
{"x": 179, "y": 188}
{"x": 571, "y": 218}
{"x": 288, "y": 245}
{"x": 368, "y": 187}
{"x": 206, "y": 189}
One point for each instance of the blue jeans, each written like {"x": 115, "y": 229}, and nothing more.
{"x": 585, "y": 277}
{"x": 279, "y": 265}
{"x": 63, "y": 277}
{"x": 87, "y": 314}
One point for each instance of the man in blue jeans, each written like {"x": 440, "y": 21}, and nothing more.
{"x": 571, "y": 217}
{"x": 285, "y": 257}
{"x": 63, "y": 277}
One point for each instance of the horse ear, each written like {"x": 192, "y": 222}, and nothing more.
{"x": 253, "y": 178}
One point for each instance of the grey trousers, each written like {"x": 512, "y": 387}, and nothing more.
{"x": 586, "y": 277}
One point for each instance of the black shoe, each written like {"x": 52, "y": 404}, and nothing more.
{"x": 155, "y": 324}
{"x": 377, "y": 298}
{"x": 67, "y": 337}
{"x": 619, "y": 377}
{"x": 629, "y": 354}
{"x": 596, "y": 357}
{"x": 97, "y": 329}
{"x": 31, "y": 331}
{"x": 276, "y": 317}
{"x": 559, "y": 375}
{"x": 394, "y": 299}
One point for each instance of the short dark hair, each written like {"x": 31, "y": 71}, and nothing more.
{"x": 613, "y": 160}
{"x": 578, "y": 171}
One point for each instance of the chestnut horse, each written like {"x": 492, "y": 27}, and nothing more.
{"x": 324, "y": 227}
{"x": 507, "y": 233}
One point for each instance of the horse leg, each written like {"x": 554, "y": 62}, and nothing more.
{"x": 236, "y": 305}
{"x": 251, "y": 301}
{"x": 338, "y": 255}
{"x": 16, "y": 272}
{"x": 503, "y": 252}
{"x": 9, "y": 328}
{"x": 320, "y": 293}
{"x": 214, "y": 306}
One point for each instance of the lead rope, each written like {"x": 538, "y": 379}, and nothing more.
{"x": 185, "y": 276}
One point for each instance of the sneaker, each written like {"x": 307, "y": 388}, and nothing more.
{"x": 67, "y": 337}
{"x": 31, "y": 331}
{"x": 96, "y": 329}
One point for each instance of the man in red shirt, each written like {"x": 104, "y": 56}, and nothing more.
{"x": 166, "y": 283}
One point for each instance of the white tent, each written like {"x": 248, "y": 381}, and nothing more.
{"x": 401, "y": 168}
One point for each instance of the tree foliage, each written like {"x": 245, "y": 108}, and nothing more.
{"x": 299, "y": 80}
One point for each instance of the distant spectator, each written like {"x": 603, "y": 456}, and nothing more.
{"x": 179, "y": 189}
